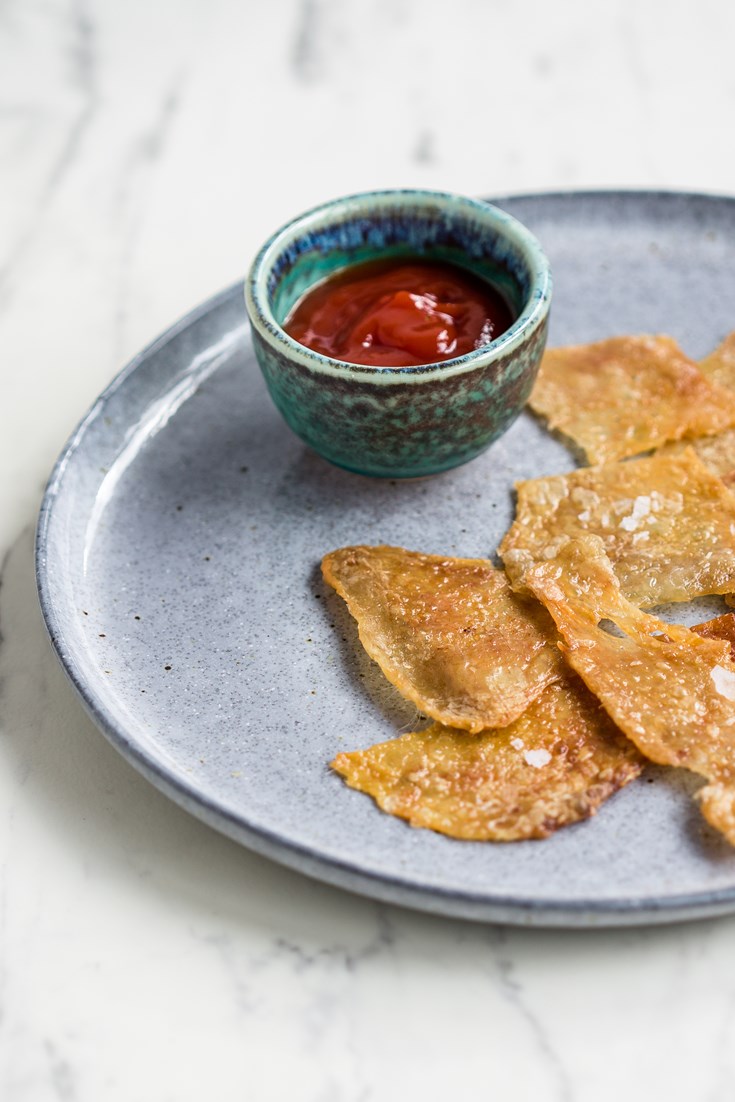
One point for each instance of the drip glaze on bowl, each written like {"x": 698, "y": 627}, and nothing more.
{"x": 406, "y": 421}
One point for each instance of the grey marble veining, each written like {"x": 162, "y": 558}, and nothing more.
{"x": 352, "y": 990}
{"x": 126, "y": 926}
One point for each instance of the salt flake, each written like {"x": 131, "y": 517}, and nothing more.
{"x": 539, "y": 758}
{"x": 641, "y": 509}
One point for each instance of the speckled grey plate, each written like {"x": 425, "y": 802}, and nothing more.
{"x": 178, "y": 551}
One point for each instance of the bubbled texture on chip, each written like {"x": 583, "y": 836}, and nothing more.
{"x": 670, "y": 690}
{"x": 719, "y": 366}
{"x": 626, "y": 395}
{"x": 666, "y": 523}
{"x": 448, "y": 633}
{"x": 721, "y": 627}
{"x": 553, "y": 766}
{"x": 716, "y": 452}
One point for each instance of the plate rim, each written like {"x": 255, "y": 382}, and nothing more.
{"x": 299, "y": 856}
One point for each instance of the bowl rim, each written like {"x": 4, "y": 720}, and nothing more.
{"x": 527, "y": 322}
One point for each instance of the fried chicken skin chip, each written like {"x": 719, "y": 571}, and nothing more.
{"x": 450, "y": 634}
{"x": 719, "y": 366}
{"x": 716, "y": 452}
{"x": 627, "y": 395}
{"x": 554, "y": 765}
{"x": 670, "y": 690}
{"x": 667, "y": 524}
{"x": 722, "y": 627}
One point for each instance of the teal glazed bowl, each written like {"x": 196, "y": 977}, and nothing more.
{"x": 401, "y": 422}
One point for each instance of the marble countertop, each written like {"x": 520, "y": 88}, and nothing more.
{"x": 145, "y": 152}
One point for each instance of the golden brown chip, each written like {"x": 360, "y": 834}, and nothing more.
{"x": 716, "y": 452}
{"x": 722, "y": 627}
{"x": 554, "y": 765}
{"x": 719, "y": 366}
{"x": 448, "y": 633}
{"x": 667, "y": 524}
{"x": 626, "y": 395}
{"x": 669, "y": 689}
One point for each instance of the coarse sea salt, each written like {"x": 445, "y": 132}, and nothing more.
{"x": 641, "y": 509}
{"x": 537, "y": 758}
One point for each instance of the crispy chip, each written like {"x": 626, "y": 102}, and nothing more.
{"x": 555, "y": 765}
{"x": 719, "y": 366}
{"x": 716, "y": 452}
{"x": 666, "y": 523}
{"x": 627, "y": 395}
{"x": 722, "y": 627}
{"x": 448, "y": 633}
{"x": 669, "y": 689}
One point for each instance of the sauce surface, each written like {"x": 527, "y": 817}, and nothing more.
{"x": 399, "y": 313}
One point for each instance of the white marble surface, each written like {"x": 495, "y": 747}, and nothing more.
{"x": 145, "y": 151}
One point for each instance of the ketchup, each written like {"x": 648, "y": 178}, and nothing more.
{"x": 399, "y": 313}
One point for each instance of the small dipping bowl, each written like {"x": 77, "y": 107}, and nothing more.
{"x": 403, "y": 422}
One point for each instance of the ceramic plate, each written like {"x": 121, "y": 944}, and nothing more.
{"x": 178, "y": 551}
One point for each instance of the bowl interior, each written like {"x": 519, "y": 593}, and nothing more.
{"x": 472, "y": 235}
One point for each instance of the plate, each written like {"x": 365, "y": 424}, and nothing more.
{"x": 177, "y": 560}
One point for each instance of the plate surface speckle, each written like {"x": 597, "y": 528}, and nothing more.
{"x": 178, "y": 552}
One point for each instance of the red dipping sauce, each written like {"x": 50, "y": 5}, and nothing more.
{"x": 399, "y": 313}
